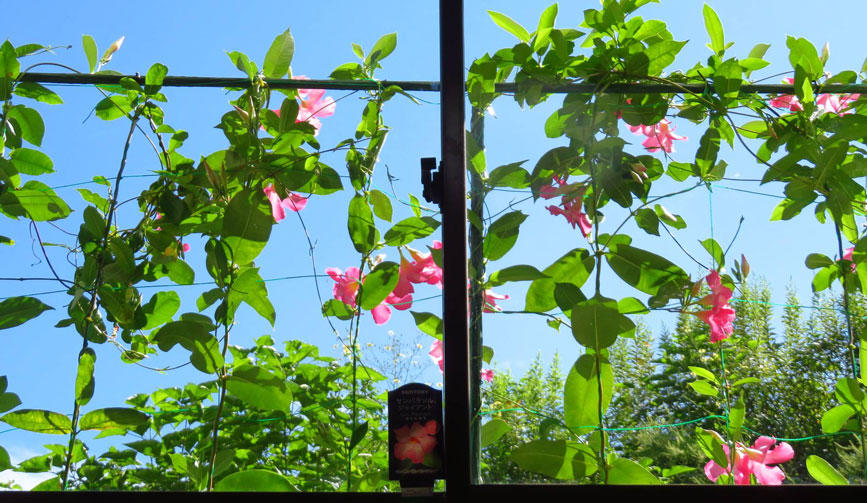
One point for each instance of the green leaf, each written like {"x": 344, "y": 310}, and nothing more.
{"x": 817, "y": 260}
{"x": 502, "y": 235}
{"x": 703, "y": 372}
{"x": 160, "y": 308}
{"x": 487, "y": 354}
{"x": 30, "y": 126}
{"x": 113, "y": 107}
{"x": 643, "y": 270}
{"x": 736, "y": 418}
{"x": 710, "y": 443}
{"x": 84, "y": 381}
{"x": 17, "y": 310}
{"x": 510, "y": 25}
{"x": 39, "y": 421}
{"x": 8, "y": 401}
{"x": 555, "y": 458}
{"x": 154, "y": 78}
{"x": 362, "y": 229}
{"x": 247, "y": 225}
{"x": 279, "y": 56}
{"x": 834, "y": 419}
{"x": 675, "y": 221}
{"x": 381, "y": 205}
{"x": 546, "y": 24}
{"x": 493, "y": 430}
{"x": 714, "y": 29}
{"x": 52, "y": 484}
{"x": 662, "y": 54}
{"x": 31, "y": 162}
{"x": 715, "y": 251}
{"x": 5, "y": 462}
{"x": 848, "y": 390}
{"x": 429, "y": 323}
{"x": 112, "y": 418}
{"x": 581, "y": 393}
{"x": 381, "y": 49}
{"x": 515, "y": 273}
{"x": 4, "y": 240}
{"x": 249, "y": 288}
{"x": 38, "y": 92}
{"x": 708, "y": 148}
{"x": 704, "y": 388}
{"x": 574, "y": 267}
{"x": 259, "y": 388}
{"x": 34, "y": 200}
{"x": 358, "y": 434}
{"x": 824, "y": 473}
{"x": 194, "y": 337}
{"x": 627, "y": 472}
{"x": 338, "y": 308}
{"x": 647, "y": 220}
{"x": 9, "y": 69}
{"x": 89, "y": 46}
{"x": 596, "y": 323}
{"x": 254, "y": 481}
{"x": 511, "y": 175}
{"x": 378, "y": 284}
{"x": 727, "y": 78}
{"x": 410, "y": 229}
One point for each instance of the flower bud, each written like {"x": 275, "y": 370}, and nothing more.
{"x": 111, "y": 50}
{"x": 745, "y": 266}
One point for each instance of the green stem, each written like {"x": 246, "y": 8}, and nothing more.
{"x": 853, "y": 358}
{"x": 727, "y": 405}
{"x": 597, "y": 251}
{"x": 221, "y": 377}
{"x": 477, "y": 294}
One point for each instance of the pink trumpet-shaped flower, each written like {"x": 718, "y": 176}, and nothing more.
{"x": 721, "y": 314}
{"x": 789, "y": 101}
{"x": 488, "y": 375}
{"x": 423, "y": 268}
{"x": 415, "y": 441}
{"x": 570, "y": 203}
{"x": 837, "y": 103}
{"x": 659, "y": 136}
{"x": 754, "y": 460}
{"x": 346, "y": 284}
{"x": 294, "y": 202}
{"x": 314, "y": 105}
{"x": 847, "y": 255}
{"x": 491, "y": 301}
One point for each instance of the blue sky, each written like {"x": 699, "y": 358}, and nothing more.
{"x": 191, "y": 38}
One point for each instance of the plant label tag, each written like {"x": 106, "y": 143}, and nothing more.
{"x": 415, "y": 435}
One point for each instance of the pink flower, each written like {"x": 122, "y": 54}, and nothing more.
{"x": 314, "y": 104}
{"x": 570, "y": 203}
{"x": 847, "y": 255}
{"x": 789, "y": 101}
{"x": 436, "y": 353}
{"x": 491, "y": 301}
{"x": 754, "y": 460}
{"x": 346, "y": 284}
{"x": 721, "y": 314}
{"x": 186, "y": 247}
{"x": 423, "y": 269}
{"x": 488, "y": 375}
{"x": 837, "y": 103}
{"x": 659, "y": 136}
{"x": 415, "y": 441}
{"x": 294, "y": 202}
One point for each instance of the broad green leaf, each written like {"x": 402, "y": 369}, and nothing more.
{"x": 279, "y": 56}
{"x": 381, "y": 205}
{"x": 84, "y": 381}
{"x": 727, "y": 78}
{"x": 662, "y": 54}
{"x": 708, "y": 148}
{"x": 38, "y": 92}
{"x": 714, "y": 29}
{"x": 511, "y": 175}
{"x": 378, "y": 284}
{"x": 89, "y": 46}
{"x": 510, "y": 25}
{"x": 824, "y": 473}
{"x": 834, "y": 419}
{"x": 410, "y": 229}
{"x": 111, "y": 418}
{"x": 581, "y": 393}
{"x": 704, "y": 388}
{"x": 160, "y": 308}
{"x": 259, "y": 388}
{"x": 848, "y": 390}
{"x": 487, "y": 354}
{"x": 30, "y": 126}
{"x": 194, "y": 337}
{"x": 667, "y": 217}
{"x": 8, "y": 401}
{"x": 555, "y": 458}
{"x": 4, "y": 240}
{"x": 493, "y": 430}
{"x": 502, "y": 235}
{"x": 113, "y": 107}
{"x": 703, "y": 372}
{"x": 546, "y": 24}
{"x": 711, "y": 444}
{"x": 627, "y": 472}
{"x": 574, "y": 267}
{"x": 31, "y": 162}
{"x": 736, "y": 417}
{"x": 596, "y": 323}
{"x": 9, "y": 69}
{"x": 52, "y": 484}
{"x": 358, "y": 434}
{"x": 249, "y": 288}
{"x": 381, "y": 49}
{"x": 247, "y": 225}
{"x": 155, "y": 76}
{"x": 362, "y": 229}
{"x": 338, "y": 308}
{"x": 428, "y": 323}
{"x": 5, "y": 462}
{"x": 39, "y": 421}
{"x": 17, "y": 310}
{"x": 255, "y": 480}
{"x": 647, "y": 220}
{"x": 817, "y": 260}
{"x": 515, "y": 273}
{"x": 643, "y": 270}
{"x": 715, "y": 251}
